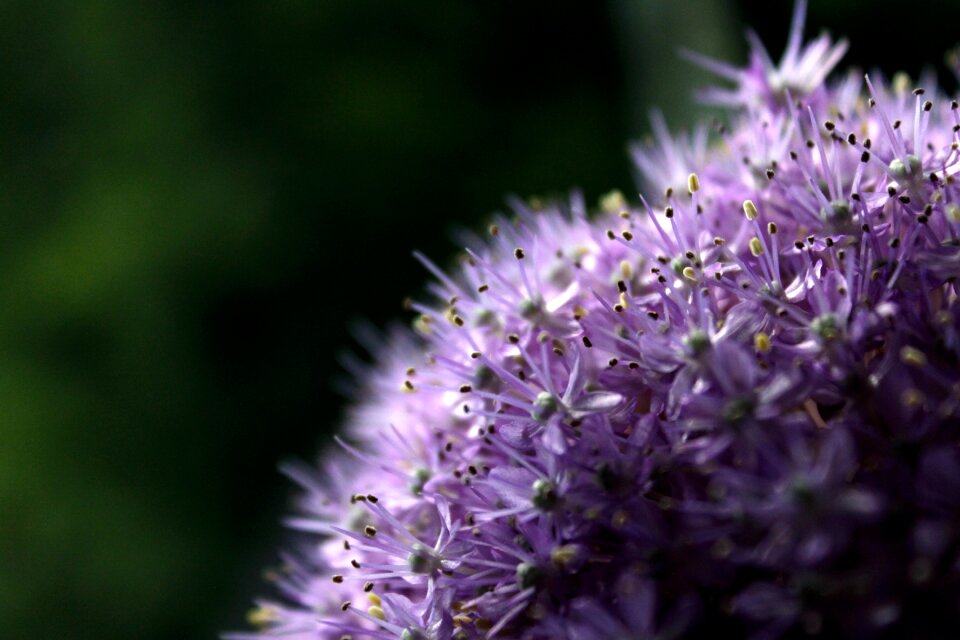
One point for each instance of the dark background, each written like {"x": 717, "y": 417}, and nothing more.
{"x": 198, "y": 200}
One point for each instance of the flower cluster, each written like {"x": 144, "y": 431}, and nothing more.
{"x": 730, "y": 408}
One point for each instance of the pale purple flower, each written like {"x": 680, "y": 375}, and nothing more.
{"x": 730, "y": 407}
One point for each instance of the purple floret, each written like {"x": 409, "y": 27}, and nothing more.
{"x": 730, "y": 407}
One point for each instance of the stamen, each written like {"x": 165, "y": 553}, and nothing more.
{"x": 913, "y": 357}
{"x": 761, "y": 342}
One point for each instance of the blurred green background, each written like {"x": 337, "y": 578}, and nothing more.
{"x": 198, "y": 200}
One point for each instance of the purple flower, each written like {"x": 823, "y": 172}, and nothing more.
{"x": 731, "y": 406}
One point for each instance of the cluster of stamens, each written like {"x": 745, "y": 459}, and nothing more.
{"x": 734, "y": 407}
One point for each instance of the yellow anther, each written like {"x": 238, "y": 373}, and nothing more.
{"x": 912, "y": 398}
{"x": 422, "y": 325}
{"x": 901, "y": 82}
{"x": 761, "y": 342}
{"x": 953, "y": 212}
{"x": 626, "y": 269}
{"x": 613, "y": 202}
{"x": 913, "y": 357}
{"x": 451, "y": 314}
{"x": 563, "y": 555}
{"x": 374, "y": 599}
{"x": 750, "y": 210}
{"x": 377, "y": 612}
{"x": 756, "y": 248}
{"x": 689, "y": 273}
{"x": 693, "y": 183}
{"x": 261, "y": 616}
{"x": 623, "y": 300}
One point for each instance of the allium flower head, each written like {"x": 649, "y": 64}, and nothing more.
{"x": 729, "y": 407}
